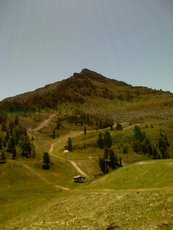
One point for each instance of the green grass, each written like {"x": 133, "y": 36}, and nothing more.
{"x": 133, "y": 204}
{"x": 142, "y": 175}
{"x": 137, "y": 196}
{"x": 20, "y": 191}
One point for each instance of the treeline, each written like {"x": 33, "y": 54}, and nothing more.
{"x": 98, "y": 121}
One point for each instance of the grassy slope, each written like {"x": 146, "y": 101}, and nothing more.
{"x": 113, "y": 200}
{"x": 20, "y": 191}
{"x": 107, "y": 204}
{"x": 141, "y": 175}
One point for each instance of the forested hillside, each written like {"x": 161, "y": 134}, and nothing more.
{"x": 91, "y": 93}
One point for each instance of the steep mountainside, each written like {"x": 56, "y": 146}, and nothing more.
{"x": 93, "y": 93}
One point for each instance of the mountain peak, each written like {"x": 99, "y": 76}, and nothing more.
{"x": 87, "y": 71}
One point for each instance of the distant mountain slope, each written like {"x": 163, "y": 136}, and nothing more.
{"x": 93, "y": 92}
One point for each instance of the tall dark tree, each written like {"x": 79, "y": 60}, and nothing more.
{"x": 155, "y": 153}
{"x": 1, "y": 143}
{"x": 85, "y": 131}
{"x": 2, "y": 158}
{"x": 11, "y": 145}
{"x": 14, "y": 154}
{"x": 100, "y": 141}
{"x": 148, "y": 147}
{"x": 107, "y": 139}
{"x": 138, "y": 134}
{"x": 69, "y": 145}
{"x": 163, "y": 146}
{"x": 113, "y": 161}
{"x": 26, "y": 149}
{"x": 103, "y": 166}
{"x": 7, "y": 136}
{"x": 16, "y": 120}
{"x": 106, "y": 153}
{"x": 4, "y": 127}
{"x": 46, "y": 161}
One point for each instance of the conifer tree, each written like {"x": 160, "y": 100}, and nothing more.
{"x": 107, "y": 139}
{"x": 138, "y": 134}
{"x": 69, "y": 145}
{"x": 113, "y": 161}
{"x": 46, "y": 161}
{"x": 100, "y": 141}
{"x": 85, "y": 130}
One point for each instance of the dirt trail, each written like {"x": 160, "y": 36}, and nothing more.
{"x": 77, "y": 168}
{"x": 44, "y": 123}
{"x": 41, "y": 177}
{"x": 73, "y": 134}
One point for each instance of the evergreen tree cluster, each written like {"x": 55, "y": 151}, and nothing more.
{"x": 104, "y": 141}
{"x": 15, "y": 139}
{"x": 109, "y": 161}
{"x": 81, "y": 118}
{"x": 142, "y": 144}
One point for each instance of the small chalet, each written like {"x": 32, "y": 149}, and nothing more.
{"x": 79, "y": 179}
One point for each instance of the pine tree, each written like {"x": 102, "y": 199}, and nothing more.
{"x": 69, "y": 145}
{"x": 106, "y": 153}
{"x": 163, "y": 146}
{"x": 14, "y": 154}
{"x": 2, "y": 158}
{"x": 107, "y": 139}
{"x": 54, "y": 134}
{"x": 85, "y": 130}
{"x": 138, "y": 134}
{"x": 103, "y": 166}
{"x": 148, "y": 147}
{"x": 11, "y": 144}
{"x": 26, "y": 148}
{"x": 16, "y": 121}
{"x": 46, "y": 161}
{"x": 155, "y": 154}
{"x": 100, "y": 141}
{"x": 113, "y": 161}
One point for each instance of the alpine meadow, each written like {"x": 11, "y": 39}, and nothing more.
{"x": 87, "y": 152}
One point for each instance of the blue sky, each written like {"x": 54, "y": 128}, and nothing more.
{"x": 43, "y": 41}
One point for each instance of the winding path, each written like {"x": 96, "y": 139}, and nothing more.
{"x": 75, "y": 166}
{"x": 45, "y": 123}
{"x": 64, "y": 138}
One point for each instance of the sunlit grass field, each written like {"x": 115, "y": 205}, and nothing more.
{"x": 119, "y": 200}
{"x": 136, "y": 196}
